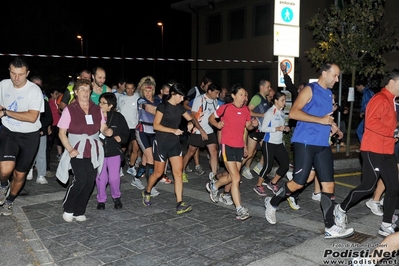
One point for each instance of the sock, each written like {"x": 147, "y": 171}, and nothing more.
{"x": 281, "y": 195}
{"x": 386, "y": 224}
{"x": 179, "y": 203}
{"x": 327, "y": 203}
{"x": 4, "y": 184}
{"x": 238, "y": 208}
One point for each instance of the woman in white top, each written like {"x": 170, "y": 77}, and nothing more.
{"x": 273, "y": 148}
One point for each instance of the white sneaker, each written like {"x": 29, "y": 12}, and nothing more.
{"x": 80, "y": 218}
{"x": 188, "y": 169}
{"x": 293, "y": 203}
{"x": 212, "y": 177}
{"x": 387, "y": 230}
{"x": 316, "y": 197}
{"x": 121, "y": 172}
{"x": 270, "y": 211}
{"x": 137, "y": 183}
{"x": 154, "y": 192}
{"x": 375, "y": 207}
{"x": 67, "y": 216}
{"x": 258, "y": 167}
{"x": 289, "y": 176}
{"x": 247, "y": 173}
{"x": 29, "y": 176}
{"x": 226, "y": 198}
{"x": 132, "y": 171}
{"x": 340, "y": 217}
{"x": 337, "y": 232}
{"x": 41, "y": 180}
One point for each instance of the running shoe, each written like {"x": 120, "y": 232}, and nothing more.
{"x": 131, "y": 171}
{"x": 183, "y": 208}
{"x": 316, "y": 196}
{"x": 293, "y": 202}
{"x": 188, "y": 169}
{"x": 375, "y": 207}
{"x": 146, "y": 198}
{"x": 242, "y": 214}
{"x": 165, "y": 179}
{"x": 121, "y": 173}
{"x": 337, "y": 232}
{"x": 80, "y": 218}
{"x": 226, "y": 198}
{"x": 137, "y": 183}
{"x": 247, "y": 173}
{"x": 260, "y": 190}
{"x": 154, "y": 192}
{"x": 29, "y": 176}
{"x": 198, "y": 170}
{"x": 270, "y": 211}
{"x": 212, "y": 177}
{"x": 213, "y": 192}
{"x": 340, "y": 217}
{"x": 67, "y": 216}
{"x": 185, "y": 178}
{"x": 41, "y": 180}
{"x": 272, "y": 187}
{"x": 387, "y": 230}
{"x": 4, "y": 193}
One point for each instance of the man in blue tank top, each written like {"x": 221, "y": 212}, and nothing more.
{"x": 313, "y": 111}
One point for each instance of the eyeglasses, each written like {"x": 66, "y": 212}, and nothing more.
{"x": 100, "y": 102}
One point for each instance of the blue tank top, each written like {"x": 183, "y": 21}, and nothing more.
{"x": 319, "y": 105}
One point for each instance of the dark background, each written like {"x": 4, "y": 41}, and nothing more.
{"x": 112, "y": 29}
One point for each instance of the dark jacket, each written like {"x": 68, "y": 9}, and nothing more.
{"x": 46, "y": 118}
{"x": 117, "y": 122}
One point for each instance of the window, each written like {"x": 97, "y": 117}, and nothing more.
{"x": 214, "y": 29}
{"x": 235, "y": 76}
{"x": 237, "y": 23}
{"x": 215, "y": 75}
{"x": 263, "y": 19}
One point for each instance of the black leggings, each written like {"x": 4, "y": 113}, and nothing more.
{"x": 270, "y": 152}
{"x": 374, "y": 166}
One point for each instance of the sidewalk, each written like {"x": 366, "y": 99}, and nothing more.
{"x": 209, "y": 235}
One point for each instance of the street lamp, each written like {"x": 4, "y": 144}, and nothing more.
{"x": 81, "y": 43}
{"x": 161, "y": 25}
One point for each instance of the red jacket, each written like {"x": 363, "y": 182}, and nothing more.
{"x": 380, "y": 124}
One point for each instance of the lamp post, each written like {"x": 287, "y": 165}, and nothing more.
{"x": 81, "y": 43}
{"x": 161, "y": 25}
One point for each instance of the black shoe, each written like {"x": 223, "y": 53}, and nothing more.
{"x": 117, "y": 203}
{"x": 101, "y": 206}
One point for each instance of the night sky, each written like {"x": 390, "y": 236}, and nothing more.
{"x": 113, "y": 29}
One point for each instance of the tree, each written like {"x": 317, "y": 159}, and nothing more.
{"x": 354, "y": 36}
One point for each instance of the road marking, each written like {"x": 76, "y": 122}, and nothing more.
{"x": 347, "y": 174}
{"x": 344, "y": 184}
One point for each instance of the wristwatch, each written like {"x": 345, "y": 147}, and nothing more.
{"x": 4, "y": 111}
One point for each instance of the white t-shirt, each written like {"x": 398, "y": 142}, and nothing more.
{"x": 29, "y": 97}
{"x": 204, "y": 107}
{"x": 127, "y": 106}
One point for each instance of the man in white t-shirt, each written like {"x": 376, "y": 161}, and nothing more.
{"x": 127, "y": 106}
{"x": 21, "y": 102}
{"x": 203, "y": 106}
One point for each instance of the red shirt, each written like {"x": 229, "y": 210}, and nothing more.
{"x": 234, "y": 119}
{"x": 54, "y": 111}
{"x": 380, "y": 124}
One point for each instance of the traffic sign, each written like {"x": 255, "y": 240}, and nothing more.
{"x": 289, "y": 62}
{"x": 286, "y": 12}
